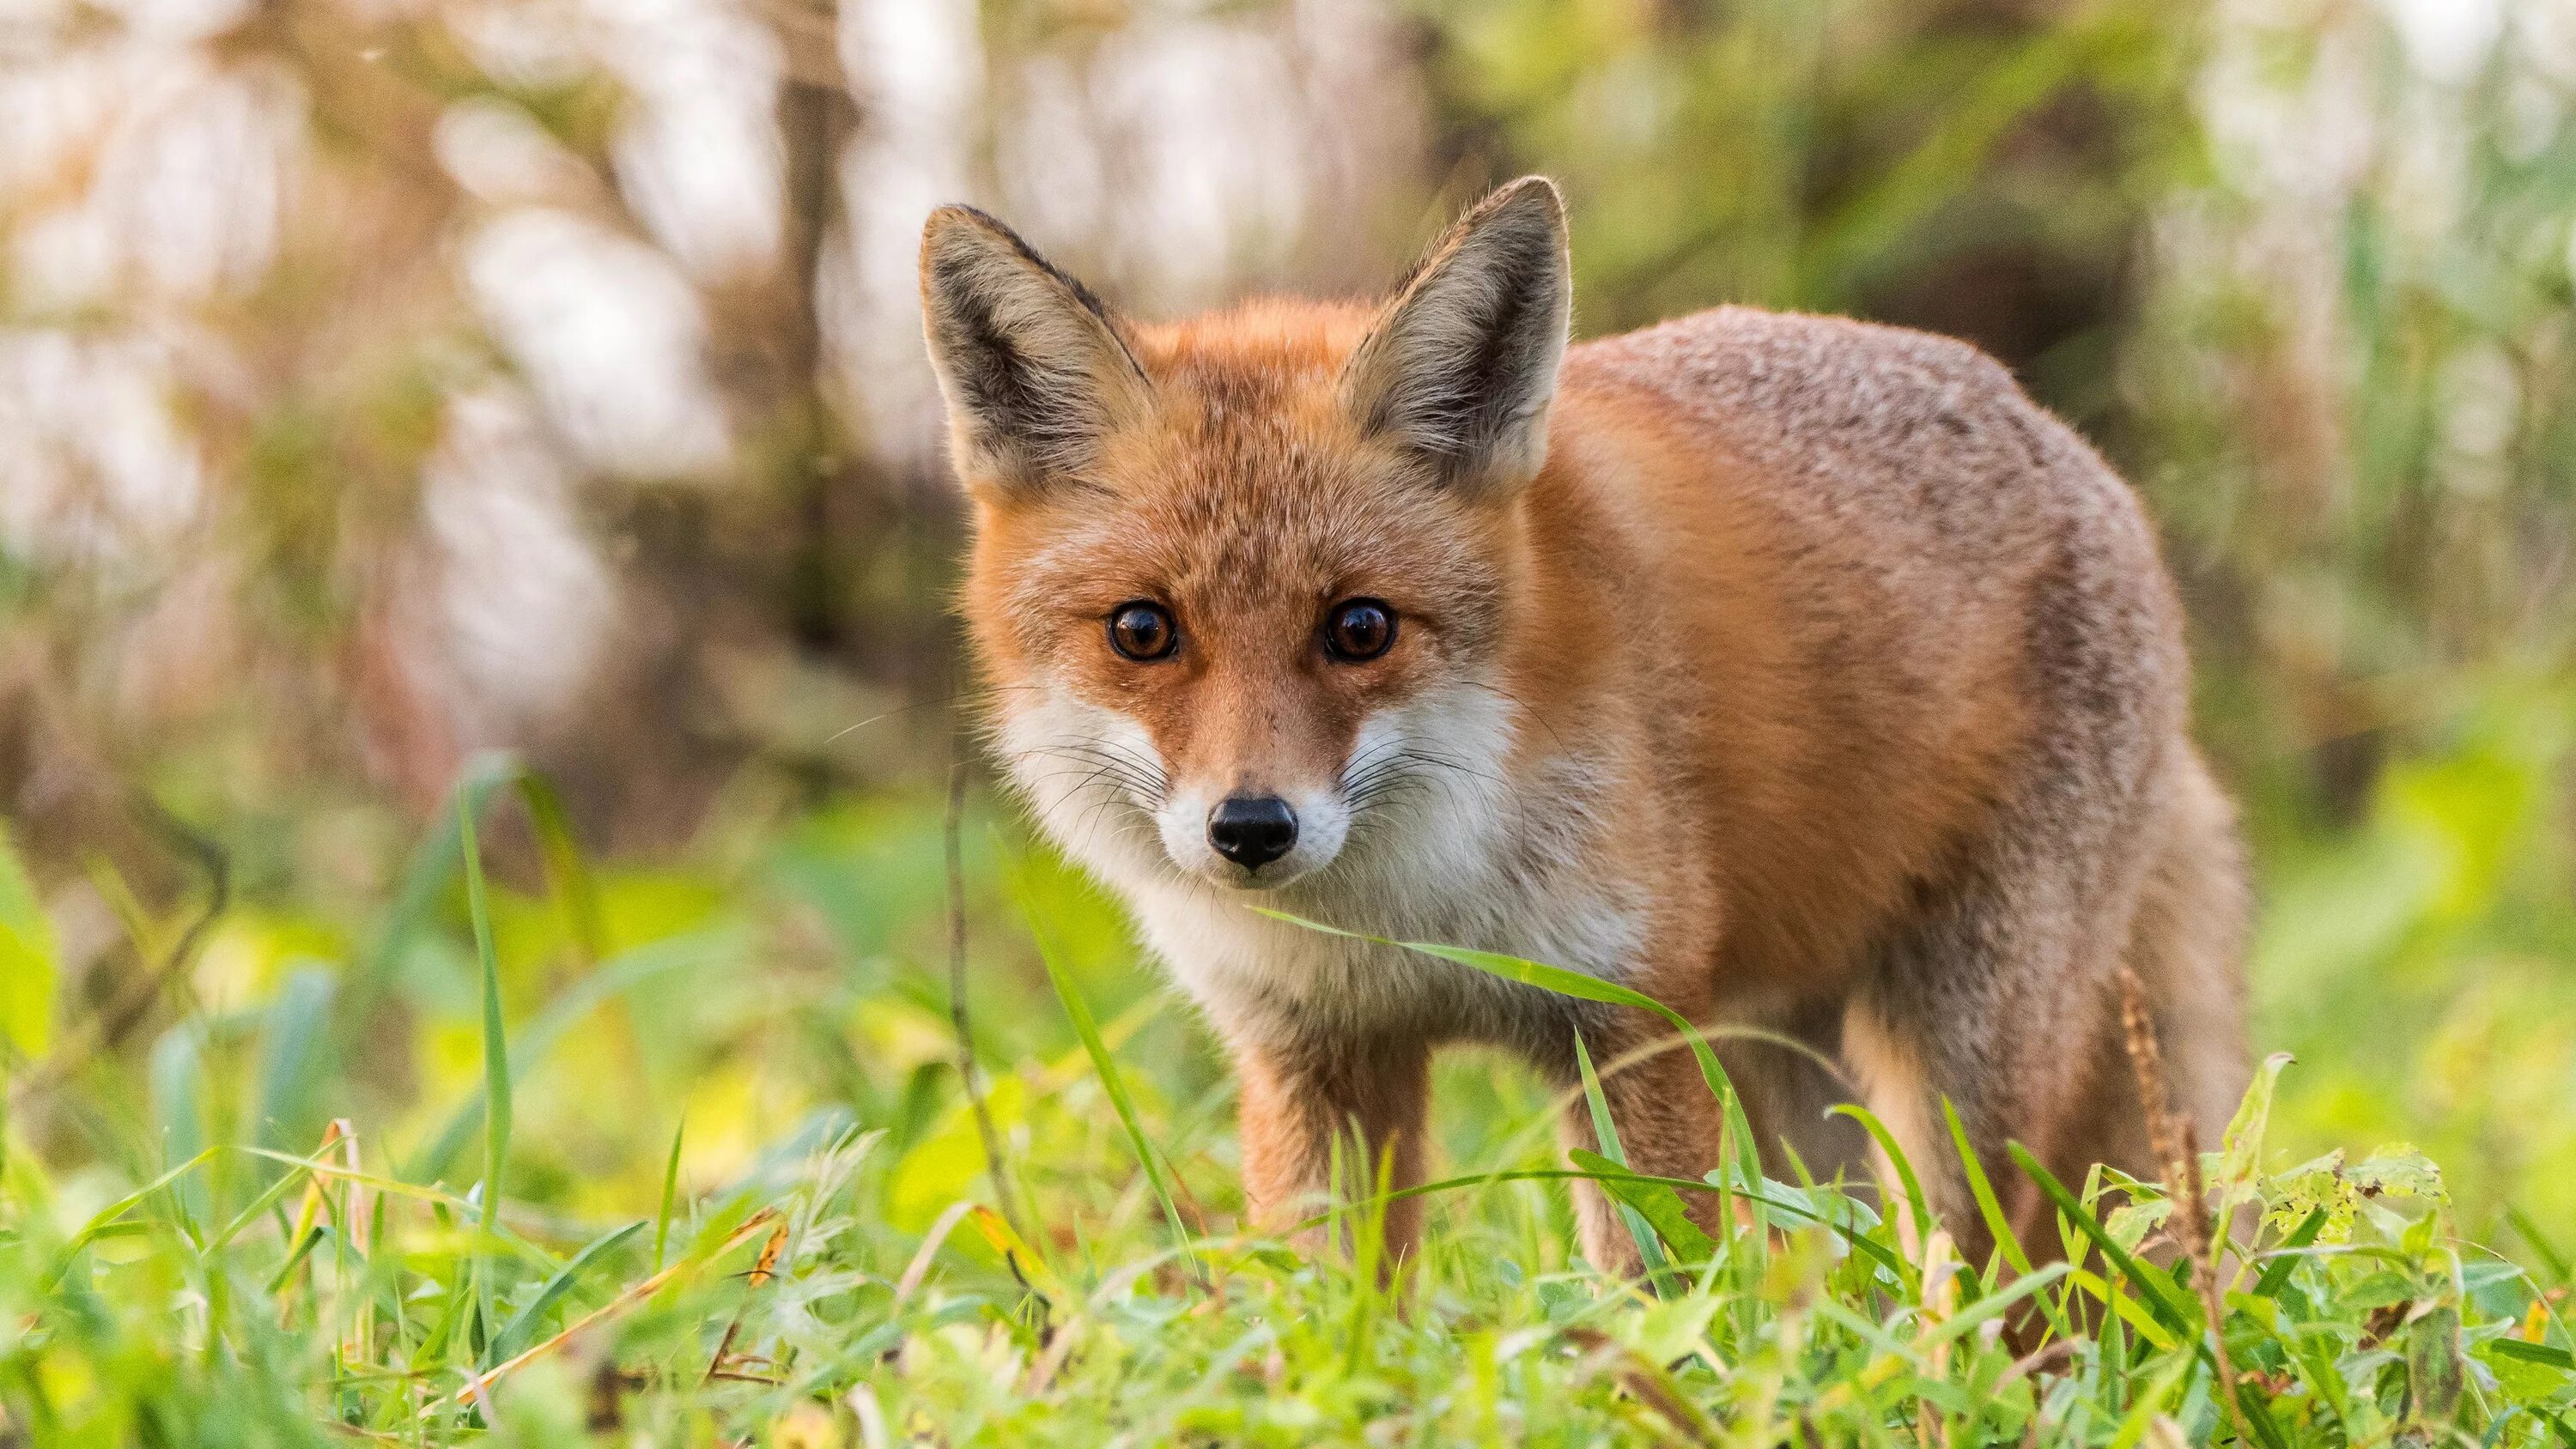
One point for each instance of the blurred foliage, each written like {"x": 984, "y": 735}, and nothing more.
{"x": 1976, "y": 170}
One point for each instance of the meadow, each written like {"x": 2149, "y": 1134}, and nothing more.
{"x": 741, "y": 1198}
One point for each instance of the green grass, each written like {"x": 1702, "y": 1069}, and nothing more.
{"x": 195, "y": 1250}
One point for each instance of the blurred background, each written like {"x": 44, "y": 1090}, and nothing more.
{"x": 387, "y": 382}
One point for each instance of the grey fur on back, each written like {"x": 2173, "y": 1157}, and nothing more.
{"x": 1932, "y": 504}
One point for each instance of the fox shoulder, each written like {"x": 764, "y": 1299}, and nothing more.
{"x": 1877, "y": 425}
{"x": 1813, "y": 379}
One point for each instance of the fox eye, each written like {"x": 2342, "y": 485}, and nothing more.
{"x": 1358, "y": 630}
{"x": 1143, "y": 632}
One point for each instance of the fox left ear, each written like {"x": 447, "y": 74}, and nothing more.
{"x": 1033, "y": 370}
{"x": 1461, "y": 366}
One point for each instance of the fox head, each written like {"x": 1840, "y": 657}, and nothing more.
{"x": 1240, "y": 583}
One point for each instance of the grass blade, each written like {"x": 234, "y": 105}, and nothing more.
{"x": 2006, "y": 1241}
{"x": 2277, "y": 1272}
{"x": 1650, "y": 1251}
{"x": 1558, "y": 979}
{"x": 306, "y": 1240}
{"x": 174, "y": 1075}
{"x": 496, "y": 1064}
{"x": 670, "y": 1192}
{"x": 2163, "y": 1300}
{"x": 2539, "y": 1353}
{"x": 525, "y": 1321}
{"x": 1088, "y": 1029}
{"x": 1903, "y": 1167}
{"x": 269, "y": 1196}
{"x": 295, "y": 1058}
{"x": 1016, "y": 1254}
{"x": 1658, "y": 1203}
{"x": 106, "y": 1217}
{"x": 575, "y": 893}
{"x": 424, "y": 878}
{"x": 1858, "y": 1240}
{"x": 538, "y": 1035}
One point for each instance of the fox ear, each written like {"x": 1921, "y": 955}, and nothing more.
{"x": 1461, "y": 366}
{"x": 1033, "y": 370}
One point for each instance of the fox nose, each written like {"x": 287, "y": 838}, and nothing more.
{"x": 1252, "y": 830}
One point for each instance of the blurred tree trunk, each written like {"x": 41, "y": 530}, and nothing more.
{"x": 763, "y": 560}
{"x": 816, "y": 122}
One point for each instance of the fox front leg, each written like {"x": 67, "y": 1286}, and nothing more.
{"x": 1668, "y": 1123}
{"x": 1320, "y": 1119}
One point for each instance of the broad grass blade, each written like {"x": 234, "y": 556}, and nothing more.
{"x": 176, "y": 1068}
{"x": 514, "y": 1334}
{"x": 1589, "y": 988}
{"x": 1650, "y": 1252}
{"x": 1658, "y": 1203}
{"x": 2277, "y": 1272}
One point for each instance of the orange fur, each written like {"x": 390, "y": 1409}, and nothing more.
{"x": 1797, "y": 672}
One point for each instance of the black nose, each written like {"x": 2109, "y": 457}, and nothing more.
{"x": 1252, "y": 830}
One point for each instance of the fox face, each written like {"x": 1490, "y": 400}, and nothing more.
{"x": 1240, "y": 584}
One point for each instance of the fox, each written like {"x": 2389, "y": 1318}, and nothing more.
{"x": 1798, "y": 672}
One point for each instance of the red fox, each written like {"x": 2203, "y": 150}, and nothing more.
{"x": 1798, "y": 672}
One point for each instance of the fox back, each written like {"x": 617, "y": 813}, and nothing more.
{"x": 1797, "y": 672}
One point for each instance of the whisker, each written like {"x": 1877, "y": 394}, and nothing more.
{"x": 921, "y": 704}
{"x": 1096, "y": 771}
{"x": 1139, "y": 775}
{"x": 1420, "y": 755}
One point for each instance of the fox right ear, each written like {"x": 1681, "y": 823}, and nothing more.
{"x": 1461, "y": 366}
{"x": 1033, "y": 370}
